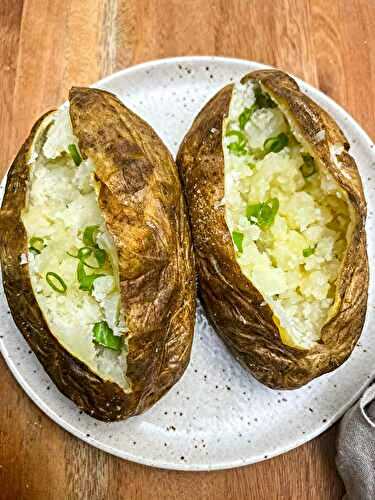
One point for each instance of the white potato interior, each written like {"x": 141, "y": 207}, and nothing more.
{"x": 62, "y": 203}
{"x": 289, "y": 219}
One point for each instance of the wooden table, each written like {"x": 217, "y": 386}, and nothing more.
{"x": 48, "y": 45}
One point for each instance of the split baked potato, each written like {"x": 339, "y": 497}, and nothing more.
{"x": 277, "y": 213}
{"x": 96, "y": 256}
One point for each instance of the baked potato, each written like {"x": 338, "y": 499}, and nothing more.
{"x": 277, "y": 214}
{"x": 96, "y": 256}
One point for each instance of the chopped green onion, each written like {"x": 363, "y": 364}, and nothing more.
{"x": 80, "y": 255}
{"x": 308, "y": 168}
{"x": 263, "y": 100}
{"x": 103, "y": 335}
{"x": 52, "y": 278}
{"x": 246, "y": 115}
{"x": 89, "y": 235}
{"x": 275, "y": 144}
{"x": 86, "y": 281}
{"x": 237, "y": 148}
{"x": 76, "y": 157}
{"x": 36, "y": 245}
{"x": 100, "y": 256}
{"x": 308, "y": 251}
{"x": 238, "y": 240}
{"x": 237, "y": 133}
{"x": 263, "y": 214}
{"x": 84, "y": 253}
{"x": 251, "y": 165}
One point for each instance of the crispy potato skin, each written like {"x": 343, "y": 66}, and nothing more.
{"x": 234, "y": 307}
{"x": 143, "y": 205}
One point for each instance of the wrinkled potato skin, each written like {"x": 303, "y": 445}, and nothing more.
{"x": 234, "y": 307}
{"x": 143, "y": 205}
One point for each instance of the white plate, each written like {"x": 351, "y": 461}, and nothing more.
{"x": 217, "y": 416}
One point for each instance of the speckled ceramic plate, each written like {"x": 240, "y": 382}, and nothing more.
{"x": 217, "y": 416}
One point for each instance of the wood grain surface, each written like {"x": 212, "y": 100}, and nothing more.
{"x": 46, "y": 46}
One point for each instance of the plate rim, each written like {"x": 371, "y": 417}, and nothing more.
{"x": 190, "y": 467}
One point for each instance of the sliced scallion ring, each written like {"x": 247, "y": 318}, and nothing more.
{"x": 237, "y": 148}
{"x": 86, "y": 281}
{"x": 263, "y": 214}
{"x": 237, "y": 133}
{"x": 56, "y": 282}
{"x": 103, "y": 335}
{"x": 85, "y": 252}
{"x": 89, "y": 235}
{"x": 246, "y": 115}
{"x": 100, "y": 256}
{"x": 275, "y": 144}
{"x": 238, "y": 240}
{"x": 36, "y": 245}
{"x": 76, "y": 157}
{"x": 306, "y": 252}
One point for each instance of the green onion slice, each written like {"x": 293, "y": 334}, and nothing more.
{"x": 238, "y": 240}
{"x": 91, "y": 247}
{"x": 86, "y": 281}
{"x": 264, "y": 213}
{"x": 275, "y": 144}
{"x": 237, "y": 148}
{"x": 308, "y": 251}
{"x": 85, "y": 252}
{"x": 237, "y": 133}
{"x": 56, "y": 282}
{"x": 76, "y": 157}
{"x": 103, "y": 335}
{"x": 308, "y": 168}
{"x": 246, "y": 115}
{"x": 251, "y": 165}
{"x": 100, "y": 256}
{"x": 36, "y": 245}
{"x": 89, "y": 235}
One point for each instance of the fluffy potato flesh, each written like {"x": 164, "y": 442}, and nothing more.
{"x": 288, "y": 217}
{"x": 72, "y": 259}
